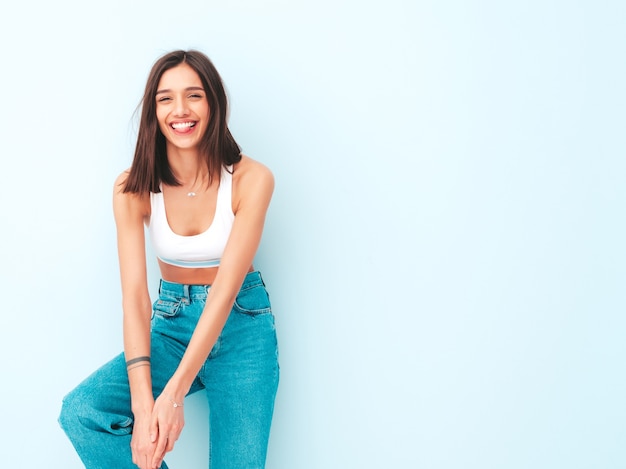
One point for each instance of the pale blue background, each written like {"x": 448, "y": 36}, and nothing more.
{"x": 444, "y": 249}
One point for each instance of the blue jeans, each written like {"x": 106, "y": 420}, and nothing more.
{"x": 240, "y": 378}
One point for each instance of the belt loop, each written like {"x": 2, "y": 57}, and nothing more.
{"x": 186, "y": 293}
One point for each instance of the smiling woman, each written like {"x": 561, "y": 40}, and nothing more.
{"x": 212, "y": 328}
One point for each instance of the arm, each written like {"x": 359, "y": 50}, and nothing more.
{"x": 130, "y": 211}
{"x": 252, "y": 192}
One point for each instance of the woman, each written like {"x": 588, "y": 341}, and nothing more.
{"x": 211, "y": 329}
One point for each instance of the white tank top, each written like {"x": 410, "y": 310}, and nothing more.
{"x": 201, "y": 250}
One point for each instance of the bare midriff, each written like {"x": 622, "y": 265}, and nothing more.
{"x": 200, "y": 276}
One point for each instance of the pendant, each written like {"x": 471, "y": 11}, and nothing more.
{"x": 191, "y": 194}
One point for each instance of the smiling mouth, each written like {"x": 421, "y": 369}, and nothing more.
{"x": 182, "y": 125}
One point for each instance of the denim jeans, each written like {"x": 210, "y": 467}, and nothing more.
{"x": 240, "y": 378}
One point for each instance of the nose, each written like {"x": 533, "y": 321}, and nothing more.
{"x": 181, "y": 109}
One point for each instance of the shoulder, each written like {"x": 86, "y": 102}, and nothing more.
{"x": 251, "y": 173}
{"x": 120, "y": 181}
{"x": 252, "y": 182}
{"x": 127, "y": 204}
{"x": 247, "y": 167}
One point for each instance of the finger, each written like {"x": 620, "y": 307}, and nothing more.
{"x": 157, "y": 461}
{"x": 160, "y": 450}
{"x": 154, "y": 429}
{"x": 170, "y": 443}
{"x": 143, "y": 462}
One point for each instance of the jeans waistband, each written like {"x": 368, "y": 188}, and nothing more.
{"x": 184, "y": 291}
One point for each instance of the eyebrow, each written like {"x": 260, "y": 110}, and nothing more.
{"x": 191, "y": 88}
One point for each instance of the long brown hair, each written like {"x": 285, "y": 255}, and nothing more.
{"x": 150, "y": 166}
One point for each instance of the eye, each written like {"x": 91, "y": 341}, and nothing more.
{"x": 196, "y": 96}
{"x": 163, "y": 99}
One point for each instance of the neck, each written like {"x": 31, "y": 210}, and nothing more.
{"x": 186, "y": 165}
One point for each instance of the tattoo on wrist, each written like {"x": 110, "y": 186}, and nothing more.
{"x": 137, "y": 360}
{"x": 137, "y": 366}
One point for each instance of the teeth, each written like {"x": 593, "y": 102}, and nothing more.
{"x": 183, "y": 125}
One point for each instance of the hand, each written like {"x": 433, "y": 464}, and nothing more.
{"x": 142, "y": 446}
{"x": 167, "y": 422}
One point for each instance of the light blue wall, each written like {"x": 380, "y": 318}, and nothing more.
{"x": 445, "y": 248}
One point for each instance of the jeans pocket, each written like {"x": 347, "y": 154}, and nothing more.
{"x": 253, "y": 301}
{"x": 165, "y": 308}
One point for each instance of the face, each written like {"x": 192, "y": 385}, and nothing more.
{"x": 182, "y": 109}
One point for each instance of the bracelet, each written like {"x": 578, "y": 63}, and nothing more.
{"x": 174, "y": 403}
{"x": 137, "y": 360}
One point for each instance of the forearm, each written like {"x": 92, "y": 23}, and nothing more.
{"x": 137, "y": 351}
{"x": 206, "y": 333}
